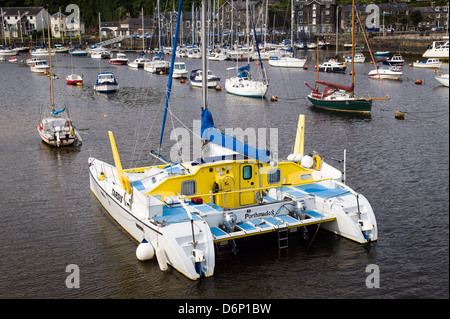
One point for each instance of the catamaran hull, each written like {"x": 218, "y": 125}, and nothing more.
{"x": 174, "y": 240}
{"x": 356, "y": 105}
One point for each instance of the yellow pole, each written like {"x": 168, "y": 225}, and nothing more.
{"x": 124, "y": 181}
{"x": 300, "y": 137}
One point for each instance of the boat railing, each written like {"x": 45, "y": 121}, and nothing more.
{"x": 257, "y": 189}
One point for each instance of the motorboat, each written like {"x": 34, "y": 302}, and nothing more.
{"x": 382, "y": 54}
{"x": 100, "y": 54}
{"x": 40, "y": 66}
{"x": 396, "y": 59}
{"x": 157, "y": 65}
{"x": 197, "y": 79}
{"x": 9, "y": 52}
{"x": 78, "y": 53}
{"x": 41, "y": 52}
{"x": 74, "y": 79}
{"x": 431, "y": 63}
{"x": 332, "y": 66}
{"x": 13, "y": 59}
{"x": 386, "y": 71}
{"x": 194, "y": 54}
{"x": 443, "y": 79}
{"x": 359, "y": 58}
{"x": 138, "y": 63}
{"x": 106, "y": 83}
{"x": 120, "y": 59}
{"x": 217, "y": 56}
{"x": 179, "y": 70}
{"x": 286, "y": 61}
{"x": 438, "y": 49}
{"x": 32, "y": 60}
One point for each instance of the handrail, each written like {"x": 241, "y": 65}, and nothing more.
{"x": 256, "y": 189}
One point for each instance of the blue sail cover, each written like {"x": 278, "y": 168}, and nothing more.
{"x": 212, "y": 134}
{"x": 59, "y": 111}
{"x": 243, "y": 71}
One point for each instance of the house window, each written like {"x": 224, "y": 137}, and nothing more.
{"x": 247, "y": 172}
{"x": 274, "y": 176}
{"x": 188, "y": 188}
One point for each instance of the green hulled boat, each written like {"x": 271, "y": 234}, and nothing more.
{"x": 338, "y": 97}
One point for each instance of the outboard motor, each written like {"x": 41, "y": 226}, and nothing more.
{"x": 229, "y": 221}
{"x": 300, "y": 209}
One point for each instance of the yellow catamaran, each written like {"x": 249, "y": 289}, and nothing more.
{"x": 179, "y": 212}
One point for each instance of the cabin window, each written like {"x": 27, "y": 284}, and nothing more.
{"x": 305, "y": 176}
{"x": 188, "y": 188}
{"x": 247, "y": 172}
{"x": 274, "y": 176}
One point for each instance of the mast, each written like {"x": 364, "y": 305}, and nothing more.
{"x": 60, "y": 27}
{"x": 100, "y": 27}
{"x": 353, "y": 42}
{"x": 292, "y": 23}
{"x": 143, "y": 31}
{"x": 169, "y": 82}
{"x": 204, "y": 58}
{"x": 52, "y": 97}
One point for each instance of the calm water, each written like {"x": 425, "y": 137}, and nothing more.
{"x": 50, "y": 219}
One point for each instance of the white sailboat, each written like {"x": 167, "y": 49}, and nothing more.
{"x": 242, "y": 83}
{"x": 178, "y": 212}
{"x": 56, "y": 129}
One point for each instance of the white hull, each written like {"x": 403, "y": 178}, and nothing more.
{"x": 245, "y": 87}
{"x": 210, "y": 84}
{"x": 106, "y": 88}
{"x": 156, "y": 67}
{"x": 389, "y": 75}
{"x": 439, "y": 49}
{"x": 180, "y": 74}
{"x": 145, "y": 217}
{"x": 8, "y": 52}
{"x": 56, "y": 132}
{"x": 443, "y": 79}
{"x": 287, "y": 62}
{"x": 431, "y": 63}
{"x": 175, "y": 240}
{"x": 39, "y": 69}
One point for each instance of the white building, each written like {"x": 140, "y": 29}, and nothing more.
{"x": 62, "y": 25}
{"x": 22, "y": 20}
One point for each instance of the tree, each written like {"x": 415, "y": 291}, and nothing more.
{"x": 416, "y": 17}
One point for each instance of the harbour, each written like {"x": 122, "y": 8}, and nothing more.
{"x": 395, "y": 163}
{"x": 197, "y": 211}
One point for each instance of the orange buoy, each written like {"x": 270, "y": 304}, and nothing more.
{"x": 305, "y": 67}
{"x": 257, "y": 63}
{"x": 399, "y": 115}
{"x": 418, "y": 81}
{"x": 182, "y": 80}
